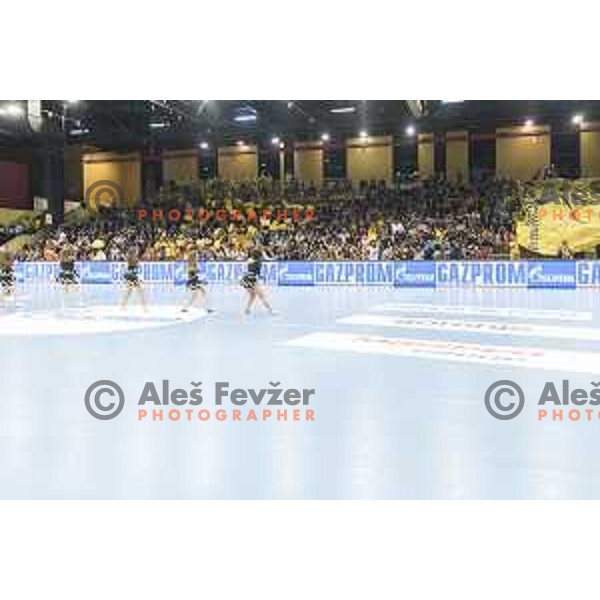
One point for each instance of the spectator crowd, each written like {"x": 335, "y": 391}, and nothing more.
{"x": 412, "y": 219}
{"x": 7, "y": 232}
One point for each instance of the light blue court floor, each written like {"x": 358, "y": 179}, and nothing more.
{"x": 400, "y": 377}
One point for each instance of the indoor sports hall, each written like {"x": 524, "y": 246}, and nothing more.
{"x": 325, "y": 299}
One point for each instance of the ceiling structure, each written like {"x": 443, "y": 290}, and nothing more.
{"x": 122, "y": 125}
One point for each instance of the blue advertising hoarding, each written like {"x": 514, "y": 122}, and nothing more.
{"x": 428, "y": 274}
{"x": 481, "y": 274}
{"x": 560, "y": 274}
{"x": 588, "y": 273}
{"x": 415, "y": 274}
{"x": 296, "y": 273}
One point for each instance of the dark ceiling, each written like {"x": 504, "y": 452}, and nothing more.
{"x": 119, "y": 124}
{"x": 187, "y": 122}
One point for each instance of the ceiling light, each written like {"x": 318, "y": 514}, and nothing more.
{"x": 204, "y": 145}
{"x": 244, "y": 118}
{"x": 529, "y": 123}
{"x": 343, "y": 110}
{"x": 577, "y": 119}
{"x": 13, "y": 110}
{"x": 325, "y": 137}
{"x": 363, "y": 135}
{"x": 275, "y": 140}
{"x": 410, "y": 130}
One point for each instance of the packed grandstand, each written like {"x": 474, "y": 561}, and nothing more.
{"x": 427, "y": 219}
{"x": 413, "y": 219}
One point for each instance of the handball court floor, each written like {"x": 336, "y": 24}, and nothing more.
{"x": 400, "y": 378}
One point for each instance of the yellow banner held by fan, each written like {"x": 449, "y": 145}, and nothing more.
{"x": 558, "y": 211}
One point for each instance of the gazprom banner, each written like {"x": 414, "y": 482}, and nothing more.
{"x": 482, "y": 274}
{"x": 354, "y": 273}
{"x": 426, "y": 274}
{"x": 296, "y": 273}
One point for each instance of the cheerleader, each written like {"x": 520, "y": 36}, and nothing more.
{"x": 250, "y": 282}
{"x": 7, "y": 276}
{"x": 67, "y": 275}
{"x": 194, "y": 284}
{"x": 68, "y": 279}
{"x": 133, "y": 281}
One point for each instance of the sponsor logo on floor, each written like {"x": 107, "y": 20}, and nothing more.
{"x": 463, "y": 352}
{"x": 93, "y": 320}
{"x": 491, "y": 311}
{"x": 483, "y": 327}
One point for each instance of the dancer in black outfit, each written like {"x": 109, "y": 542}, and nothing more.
{"x": 68, "y": 278}
{"x": 194, "y": 284}
{"x": 250, "y": 282}
{"x": 67, "y": 275}
{"x": 7, "y": 276}
{"x": 133, "y": 283}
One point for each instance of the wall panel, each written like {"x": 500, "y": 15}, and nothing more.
{"x": 522, "y": 152}
{"x": 426, "y": 157}
{"x": 457, "y": 155}
{"x": 238, "y": 163}
{"x": 14, "y": 185}
{"x": 590, "y": 150}
{"x": 180, "y": 166}
{"x": 370, "y": 158}
{"x": 122, "y": 169}
{"x": 308, "y": 162}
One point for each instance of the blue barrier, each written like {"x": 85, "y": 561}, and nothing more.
{"x": 443, "y": 274}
